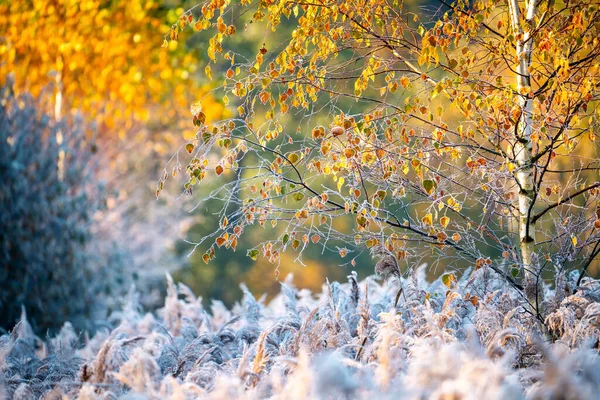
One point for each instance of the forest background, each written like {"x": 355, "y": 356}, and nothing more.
{"x": 101, "y": 67}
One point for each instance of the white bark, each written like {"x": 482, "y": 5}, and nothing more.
{"x": 524, "y": 150}
{"x": 58, "y": 99}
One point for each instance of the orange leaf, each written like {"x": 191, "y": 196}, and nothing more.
{"x": 337, "y": 131}
{"x": 264, "y": 97}
{"x": 404, "y": 82}
{"x": 302, "y": 214}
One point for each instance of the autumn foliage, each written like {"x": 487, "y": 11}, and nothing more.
{"x": 467, "y": 138}
{"x": 81, "y": 83}
{"x": 103, "y": 60}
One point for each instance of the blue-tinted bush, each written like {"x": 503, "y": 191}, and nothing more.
{"x": 49, "y": 262}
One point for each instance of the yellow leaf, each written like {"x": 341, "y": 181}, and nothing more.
{"x": 448, "y": 280}
{"x": 293, "y": 157}
{"x": 428, "y": 219}
{"x": 208, "y": 72}
{"x": 444, "y": 221}
{"x": 340, "y": 182}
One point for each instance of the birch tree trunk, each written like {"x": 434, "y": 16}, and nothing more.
{"x": 58, "y": 100}
{"x": 58, "y": 85}
{"x": 523, "y": 150}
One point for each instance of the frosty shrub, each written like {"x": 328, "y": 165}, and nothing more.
{"x": 50, "y": 264}
{"x": 459, "y": 337}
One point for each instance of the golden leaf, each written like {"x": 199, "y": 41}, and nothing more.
{"x": 444, "y": 221}
{"x": 428, "y": 219}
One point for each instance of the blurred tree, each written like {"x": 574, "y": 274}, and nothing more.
{"x": 521, "y": 75}
{"x": 102, "y": 58}
{"x": 50, "y": 258}
{"x": 103, "y": 61}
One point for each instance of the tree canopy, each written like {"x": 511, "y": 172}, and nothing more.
{"x": 103, "y": 59}
{"x": 467, "y": 138}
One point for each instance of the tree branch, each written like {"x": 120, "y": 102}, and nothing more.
{"x": 563, "y": 201}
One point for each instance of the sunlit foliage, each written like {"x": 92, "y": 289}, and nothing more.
{"x": 103, "y": 59}
{"x": 467, "y": 136}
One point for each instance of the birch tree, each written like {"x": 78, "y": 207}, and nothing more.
{"x": 523, "y": 148}
{"x": 463, "y": 135}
